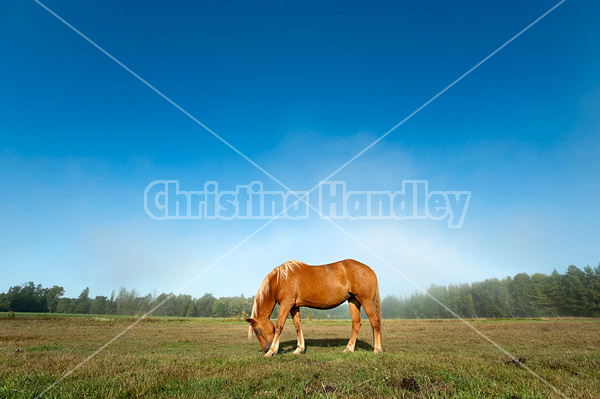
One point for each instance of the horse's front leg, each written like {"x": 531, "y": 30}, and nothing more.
{"x": 296, "y": 318}
{"x": 284, "y": 310}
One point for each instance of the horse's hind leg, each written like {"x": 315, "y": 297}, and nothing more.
{"x": 296, "y": 318}
{"x": 375, "y": 324}
{"x": 355, "y": 313}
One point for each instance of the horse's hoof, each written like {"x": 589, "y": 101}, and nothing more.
{"x": 378, "y": 350}
{"x": 348, "y": 350}
{"x": 298, "y": 351}
{"x": 269, "y": 354}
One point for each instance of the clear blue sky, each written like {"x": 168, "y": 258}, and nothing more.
{"x": 300, "y": 88}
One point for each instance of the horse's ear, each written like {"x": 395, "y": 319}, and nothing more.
{"x": 250, "y": 320}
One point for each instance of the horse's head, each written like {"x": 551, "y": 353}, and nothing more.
{"x": 264, "y": 329}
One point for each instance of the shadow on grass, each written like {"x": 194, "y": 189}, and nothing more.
{"x": 290, "y": 346}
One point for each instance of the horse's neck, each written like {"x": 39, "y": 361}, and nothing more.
{"x": 266, "y": 308}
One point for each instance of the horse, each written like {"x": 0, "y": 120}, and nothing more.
{"x": 295, "y": 284}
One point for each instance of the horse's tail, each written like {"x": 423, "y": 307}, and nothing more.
{"x": 377, "y": 304}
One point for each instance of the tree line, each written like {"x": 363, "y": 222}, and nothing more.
{"x": 574, "y": 293}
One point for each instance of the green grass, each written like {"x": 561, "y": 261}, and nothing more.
{"x": 207, "y": 358}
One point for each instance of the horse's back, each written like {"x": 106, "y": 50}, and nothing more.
{"x": 347, "y": 275}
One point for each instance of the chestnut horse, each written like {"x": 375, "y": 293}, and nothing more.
{"x": 295, "y": 284}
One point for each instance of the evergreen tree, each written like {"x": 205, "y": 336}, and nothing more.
{"x": 84, "y": 302}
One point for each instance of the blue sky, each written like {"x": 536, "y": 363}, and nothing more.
{"x": 300, "y": 89}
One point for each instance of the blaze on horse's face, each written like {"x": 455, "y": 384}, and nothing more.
{"x": 264, "y": 329}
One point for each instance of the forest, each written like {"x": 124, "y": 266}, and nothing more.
{"x": 573, "y": 293}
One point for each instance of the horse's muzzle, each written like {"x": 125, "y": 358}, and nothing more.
{"x": 267, "y": 346}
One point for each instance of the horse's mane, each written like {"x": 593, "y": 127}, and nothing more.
{"x": 281, "y": 273}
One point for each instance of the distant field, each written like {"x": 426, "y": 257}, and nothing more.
{"x": 208, "y": 358}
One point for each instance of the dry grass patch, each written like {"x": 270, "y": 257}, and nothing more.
{"x": 199, "y": 358}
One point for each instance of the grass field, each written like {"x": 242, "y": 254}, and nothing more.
{"x": 207, "y": 358}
